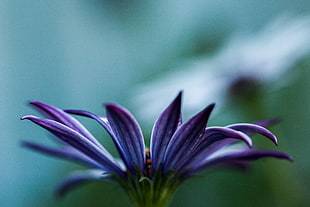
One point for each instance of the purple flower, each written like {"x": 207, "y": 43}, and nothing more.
{"x": 150, "y": 176}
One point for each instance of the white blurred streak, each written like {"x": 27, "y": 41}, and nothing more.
{"x": 268, "y": 54}
{"x": 264, "y": 57}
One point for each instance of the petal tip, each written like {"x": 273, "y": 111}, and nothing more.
{"x": 179, "y": 96}
{"x": 289, "y": 158}
{"x": 30, "y": 117}
{"x": 24, "y": 143}
{"x": 250, "y": 143}
{"x": 212, "y": 104}
{"x": 207, "y": 110}
{"x": 177, "y": 101}
{"x": 210, "y": 107}
{"x": 115, "y": 108}
{"x": 36, "y": 103}
{"x": 111, "y": 106}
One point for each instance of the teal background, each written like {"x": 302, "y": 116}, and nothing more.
{"x": 79, "y": 54}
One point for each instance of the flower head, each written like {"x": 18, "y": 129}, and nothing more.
{"x": 149, "y": 176}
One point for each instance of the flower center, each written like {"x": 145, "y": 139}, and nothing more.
{"x": 148, "y": 163}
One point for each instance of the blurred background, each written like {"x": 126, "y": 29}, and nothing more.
{"x": 250, "y": 57}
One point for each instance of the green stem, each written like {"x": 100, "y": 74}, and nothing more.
{"x": 150, "y": 192}
{"x": 147, "y": 193}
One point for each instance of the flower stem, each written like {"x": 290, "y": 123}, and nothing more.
{"x": 151, "y": 192}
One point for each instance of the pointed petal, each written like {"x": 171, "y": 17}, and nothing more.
{"x": 64, "y": 118}
{"x": 212, "y": 140}
{"x": 253, "y": 128}
{"x": 78, "y": 141}
{"x": 129, "y": 136}
{"x": 100, "y": 119}
{"x": 214, "y": 134}
{"x": 243, "y": 155}
{"x": 164, "y": 128}
{"x": 186, "y": 136}
{"x": 268, "y": 122}
{"x": 103, "y": 121}
{"x": 62, "y": 153}
{"x": 78, "y": 178}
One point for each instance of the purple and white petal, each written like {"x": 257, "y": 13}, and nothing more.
{"x": 64, "y": 118}
{"x": 213, "y": 139}
{"x": 234, "y": 154}
{"x": 163, "y": 129}
{"x": 185, "y": 138}
{"x": 129, "y": 136}
{"x": 214, "y": 134}
{"x": 78, "y": 178}
{"x": 253, "y": 128}
{"x": 78, "y": 141}
{"x": 100, "y": 119}
{"x": 66, "y": 153}
{"x": 103, "y": 121}
{"x": 267, "y": 122}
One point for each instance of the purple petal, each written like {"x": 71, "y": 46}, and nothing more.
{"x": 211, "y": 141}
{"x": 103, "y": 122}
{"x": 78, "y": 141}
{"x": 214, "y": 134}
{"x": 244, "y": 155}
{"x": 78, "y": 178}
{"x": 268, "y": 122}
{"x": 64, "y": 118}
{"x": 253, "y": 128}
{"x": 62, "y": 153}
{"x": 100, "y": 119}
{"x": 163, "y": 129}
{"x": 129, "y": 136}
{"x": 186, "y": 136}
